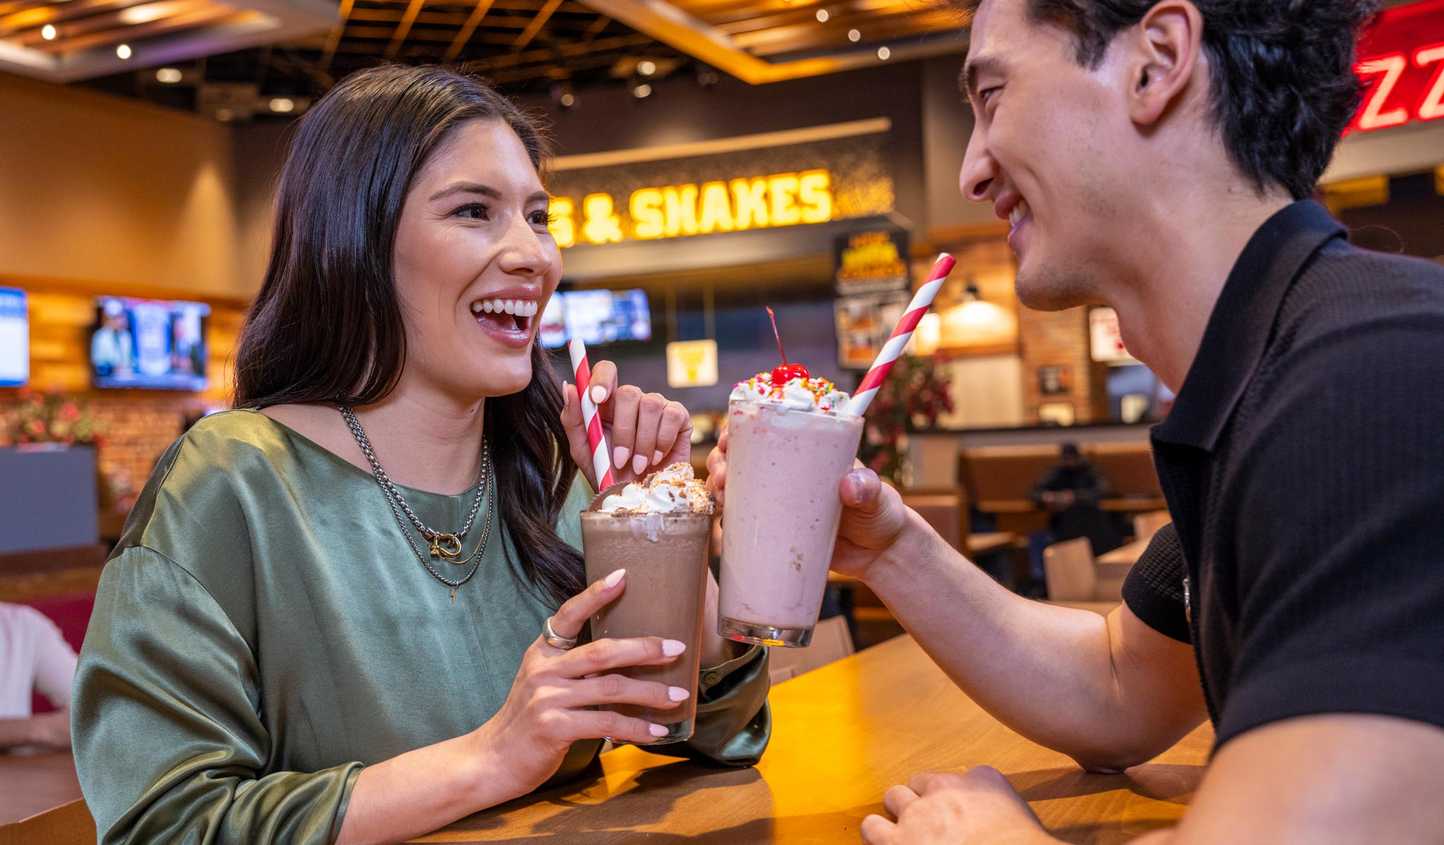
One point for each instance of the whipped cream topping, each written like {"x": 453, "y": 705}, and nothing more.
{"x": 802, "y": 394}
{"x": 674, "y": 489}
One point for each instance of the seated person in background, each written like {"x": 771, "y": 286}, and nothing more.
{"x": 1070, "y": 492}
{"x": 33, "y": 655}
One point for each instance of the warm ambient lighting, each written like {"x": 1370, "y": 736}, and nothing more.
{"x": 48, "y": 32}
{"x": 568, "y": 99}
{"x": 884, "y": 53}
{"x": 854, "y": 36}
{"x": 283, "y": 105}
{"x": 225, "y": 115}
{"x": 642, "y": 91}
{"x": 822, "y": 16}
{"x": 168, "y": 76}
{"x": 974, "y": 322}
{"x": 646, "y": 67}
{"x": 123, "y": 52}
{"x": 928, "y": 336}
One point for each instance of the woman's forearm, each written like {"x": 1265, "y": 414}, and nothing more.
{"x": 420, "y": 791}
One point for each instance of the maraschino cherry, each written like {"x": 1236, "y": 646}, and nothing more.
{"x": 784, "y": 372}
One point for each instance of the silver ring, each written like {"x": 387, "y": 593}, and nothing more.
{"x": 556, "y": 640}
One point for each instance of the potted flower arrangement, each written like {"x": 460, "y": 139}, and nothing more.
{"x": 913, "y": 397}
{"x": 39, "y": 417}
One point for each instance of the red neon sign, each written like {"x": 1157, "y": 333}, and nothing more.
{"x": 1401, "y": 62}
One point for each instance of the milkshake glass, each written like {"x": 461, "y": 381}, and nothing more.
{"x": 789, "y": 446}
{"x": 658, "y": 532}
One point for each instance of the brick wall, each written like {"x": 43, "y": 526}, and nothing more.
{"x": 1060, "y": 339}
{"x": 134, "y": 432}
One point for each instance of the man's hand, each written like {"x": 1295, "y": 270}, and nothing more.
{"x": 873, "y": 514}
{"x": 976, "y": 806}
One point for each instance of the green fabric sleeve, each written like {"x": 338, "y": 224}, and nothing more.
{"x": 168, "y": 743}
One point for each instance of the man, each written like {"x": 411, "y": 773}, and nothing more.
{"x": 33, "y": 656}
{"x": 1154, "y": 155}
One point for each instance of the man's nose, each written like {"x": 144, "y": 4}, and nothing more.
{"x": 975, "y": 180}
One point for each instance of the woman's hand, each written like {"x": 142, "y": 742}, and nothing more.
{"x": 551, "y": 699}
{"x": 644, "y": 430}
{"x": 873, "y": 513}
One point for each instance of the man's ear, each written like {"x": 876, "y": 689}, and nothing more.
{"x": 1166, "y": 47}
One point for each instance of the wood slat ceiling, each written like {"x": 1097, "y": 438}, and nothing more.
{"x": 523, "y": 45}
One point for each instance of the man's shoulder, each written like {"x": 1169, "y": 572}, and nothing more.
{"x": 1347, "y": 286}
{"x": 1356, "y": 307}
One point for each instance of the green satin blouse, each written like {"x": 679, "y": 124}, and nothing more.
{"x": 262, "y": 632}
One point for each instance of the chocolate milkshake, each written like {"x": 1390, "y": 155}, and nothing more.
{"x": 790, "y": 444}
{"x": 657, "y": 531}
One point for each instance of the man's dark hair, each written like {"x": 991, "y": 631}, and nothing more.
{"x": 1284, "y": 86}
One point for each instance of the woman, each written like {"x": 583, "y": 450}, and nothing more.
{"x": 322, "y": 621}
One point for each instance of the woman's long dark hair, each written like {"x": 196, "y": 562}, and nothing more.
{"x": 327, "y": 327}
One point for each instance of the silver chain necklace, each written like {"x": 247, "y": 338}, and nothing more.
{"x": 444, "y": 545}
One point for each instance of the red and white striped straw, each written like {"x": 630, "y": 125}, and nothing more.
{"x": 601, "y": 455}
{"x": 922, "y": 300}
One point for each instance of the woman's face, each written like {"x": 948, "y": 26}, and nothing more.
{"x": 475, "y": 264}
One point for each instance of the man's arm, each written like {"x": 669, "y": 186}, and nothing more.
{"x": 1109, "y": 692}
{"x": 1319, "y": 779}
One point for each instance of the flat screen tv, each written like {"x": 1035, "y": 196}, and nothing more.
{"x": 148, "y": 343}
{"x": 14, "y": 338}
{"x": 596, "y": 316}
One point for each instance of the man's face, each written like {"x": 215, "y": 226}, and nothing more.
{"x": 1046, "y": 152}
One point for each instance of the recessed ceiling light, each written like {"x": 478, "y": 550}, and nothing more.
{"x": 123, "y": 52}
{"x": 48, "y": 32}
{"x": 568, "y": 100}
{"x": 646, "y": 67}
{"x": 168, "y": 75}
{"x": 854, "y": 36}
{"x": 283, "y": 105}
{"x": 642, "y": 91}
{"x": 884, "y": 53}
{"x": 822, "y": 16}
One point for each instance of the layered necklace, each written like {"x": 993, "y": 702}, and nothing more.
{"x": 444, "y": 545}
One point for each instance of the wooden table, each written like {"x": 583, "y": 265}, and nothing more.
{"x": 40, "y": 801}
{"x": 842, "y": 735}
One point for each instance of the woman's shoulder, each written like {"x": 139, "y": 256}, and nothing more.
{"x": 203, "y": 476}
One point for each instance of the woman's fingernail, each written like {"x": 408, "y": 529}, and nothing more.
{"x": 639, "y": 463}
{"x": 615, "y": 578}
{"x": 656, "y": 457}
{"x": 620, "y": 455}
{"x": 599, "y": 394}
{"x": 678, "y": 694}
{"x": 672, "y": 648}
{"x": 656, "y": 730}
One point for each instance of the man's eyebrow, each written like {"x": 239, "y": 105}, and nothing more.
{"x": 968, "y": 78}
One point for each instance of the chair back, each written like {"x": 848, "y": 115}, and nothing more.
{"x": 1072, "y": 575}
{"x": 830, "y": 641}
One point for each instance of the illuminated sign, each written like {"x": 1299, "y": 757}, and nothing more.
{"x": 1401, "y": 63}
{"x": 872, "y": 260}
{"x": 677, "y": 211}
{"x": 692, "y": 363}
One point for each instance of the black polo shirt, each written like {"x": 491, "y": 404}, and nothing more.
{"x": 1303, "y": 463}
